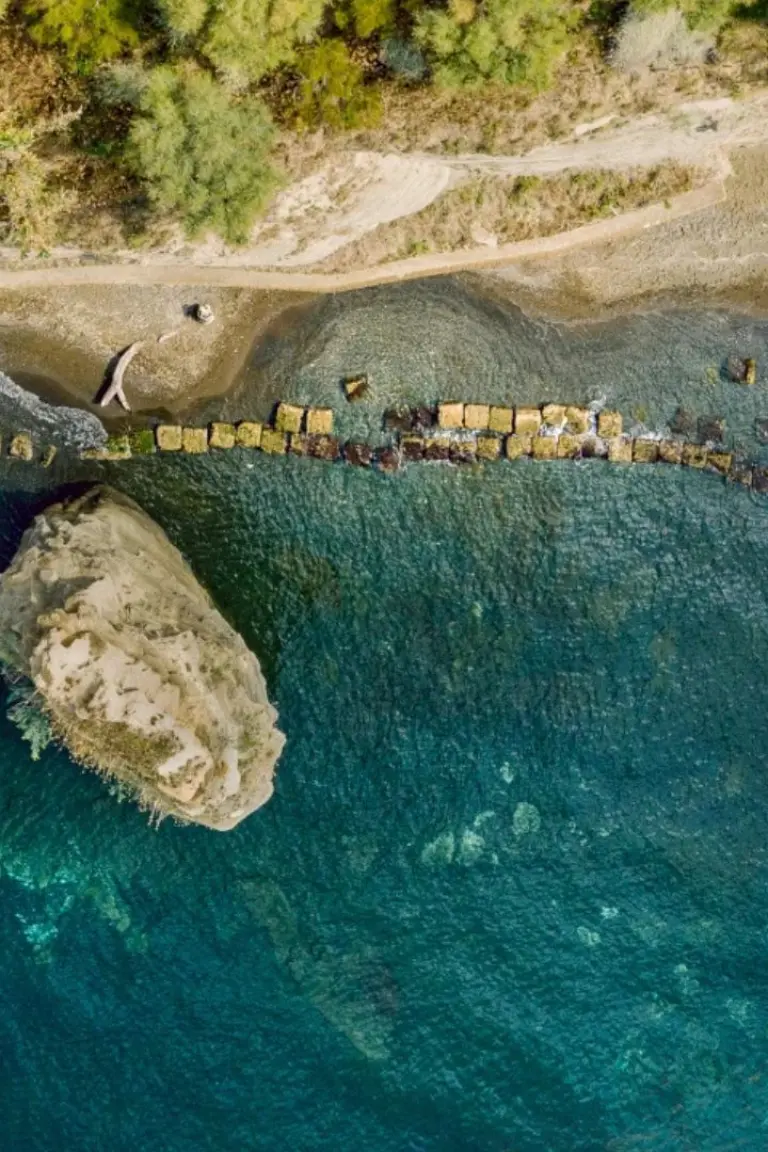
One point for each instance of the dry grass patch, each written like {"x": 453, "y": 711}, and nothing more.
{"x": 512, "y": 209}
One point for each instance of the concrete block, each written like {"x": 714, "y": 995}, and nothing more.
{"x": 645, "y": 451}
{"x": 222, "y": 436}
{"x": 477, "y": 416}
{"x": 319, "y": 421}
{"x": 578, "y": 420}
{"x": 568, "y": 447}
{"x": 168, "y": 437}
{"x": 694, "y": 456}
{"x": 248, "y": 434}
{"x": 488, "y": 447}
{"x": 273, "y": 442}
{"x": 436, "y": 449}
{"x": 553, "y": 415}
{"x": 527, "y": 421}
{"x": 720, "y": 462}
{"x": 450, "y": 415}
{"x": 194, "y": 441}
{"x": 671, "y": 451}
{"x": 517, "y": 446}
{"x": 501, "y": 419}
{"x": 620, "y": 450}
{"x": 545, "y": 447}
{"x": 609, "y": 425}
{"x": 412, "y": 448}
{"x": 289, "y": 418}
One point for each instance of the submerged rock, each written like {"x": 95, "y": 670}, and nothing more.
{"x": 138, "y": 674}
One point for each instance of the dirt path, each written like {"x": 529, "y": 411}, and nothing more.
{"x": 359, "y": 191}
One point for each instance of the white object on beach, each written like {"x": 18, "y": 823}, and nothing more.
{"x": 167, "y": 336}
{"x": 115, "y": 389}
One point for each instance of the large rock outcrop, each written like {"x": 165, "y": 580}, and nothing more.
{"x": 139, "y": 675}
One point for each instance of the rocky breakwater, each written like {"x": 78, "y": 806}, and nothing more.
{"x": 137, "y": 673}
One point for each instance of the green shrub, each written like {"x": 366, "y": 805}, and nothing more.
{"x": 332, "y": 89}
{"x": 88, "y": 31}
{"x": 203, "y": 154}
{"x": 142, "y": 442}
{"x": 502, "y": 41}
{"x": 245, "y": 39}
{"x": 183, "y": 19}
{"x": 706, "y": 14}
{"x": 366, "y": 17}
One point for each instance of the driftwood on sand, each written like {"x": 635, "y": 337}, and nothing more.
{"x": 114, "y": 390}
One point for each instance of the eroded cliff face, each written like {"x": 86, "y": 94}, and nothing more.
{"x": 139, "y": 675}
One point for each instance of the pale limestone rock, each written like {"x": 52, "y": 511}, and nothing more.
{"x": 21, "y": 447}
{"x": 289, "y": 418}
{"x": 249, "y": 434}
{"x": 609, "y": 425}
{"x": 274, "y": 442}
{"x": 553, "y": 415}
{"x": 501, "y": 419}
{"x": 139, "y": 675}
{"x": 319, "y": 421}
{"x": 620, "y": 451}
{"x": 578, "y": 420}
{"x": 168, "y": 437}
{"x": 517, "y": 446}
{"x": 545, "y": 447}
{"x": 194, "y": 441}
{"x": 645, "y": 451}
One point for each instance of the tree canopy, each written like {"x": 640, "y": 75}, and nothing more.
{"x": 202, "y": 153}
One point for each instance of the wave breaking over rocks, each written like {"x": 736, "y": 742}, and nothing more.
{"x": 67, "y": 428}
{"x": 136, "y": 671}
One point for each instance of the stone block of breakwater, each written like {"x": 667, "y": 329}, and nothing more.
{"x": 142, "y": 442}
{"x": 450, "y": 415}
{"x": 501, "y": 420}
{"x": 463, "y": 452}
{"x": 324, "y": 447}
{"x": 568, "y": 446}
{"x": 527, "y": 421}
{"x": 273, "y": 442}
{"x": 545, "y": 447}
{"x": 553, "y": 415}
{"x": 49, "y": 455}
{"x": 70, "y": 429}
{"x": 609, "y": 425}
{"x": 695, "y": 456}
{"x": 298, "y": 444}
{"x": 436, "y": 450}
{"x": 517, "y": 446}
{"x": 194, "y": 441}
{"x": 168, "y": 437}
{"x": 720, "y": 462}
{"x": 118, "y": 447}
{"x": 477, "y": 417}
{"x": 577, "y": 420}
{"x": 388, "y": 460}
{"x": 248, "y": 434}
{"x": 222, "y": 435}
{"x": 21, "y": 447}
{"x": 488, "y": 448}
{"x": 671, "y": 451}
{"x": 359, "y": 454}
{"x": 645, "y": 451}
{"x": 620, "y": 450}
{"x": 319, "y": 421}
{"x": 289, "y": 418}
{"x": 412, "y": 448}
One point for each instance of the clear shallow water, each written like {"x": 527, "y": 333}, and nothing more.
{"x": 511, "y": 891}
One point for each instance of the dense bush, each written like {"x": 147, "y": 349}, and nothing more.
{"x": 658, "y": 40}
{"x": 503, "y": 41}
{"x": 89, "y": 31}
{"x": 332, "y": 89}
{"x": 203, "y": 154}
{"x": 706, "y": 14}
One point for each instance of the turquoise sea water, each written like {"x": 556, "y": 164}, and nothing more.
{"x": 510, "y": 894}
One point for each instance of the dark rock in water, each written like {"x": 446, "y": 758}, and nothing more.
{"x": 760, "y": 479}
{"x": 436, "y": 450}
{"x": 742, "y": 371}
{"x": 761, "y": 428}
{"x": 412, "y": 448}
{"x": 356, "y": 388}
{"x": 65, "y": 428}
{"x": 424, "y": 418}
{"x": 711, "y": 428}
{"x": 593, "y": 448}
{"x": 683, "y": 423}
{"x": 398, "y": 420}
{"x": 324, "y": 447}
{"x": 463, "y": 452}
{"x": 358, "y": 454}
{"x": 741, "y": 473}
{"x": 388, "y": 459}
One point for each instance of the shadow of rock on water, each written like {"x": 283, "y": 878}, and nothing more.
{"x": 355, "y": 992}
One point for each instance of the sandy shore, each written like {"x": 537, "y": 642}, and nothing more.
{"x": 60, "y": 339}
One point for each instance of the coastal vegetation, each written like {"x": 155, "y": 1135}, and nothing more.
{"x": 123, "y": 120}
